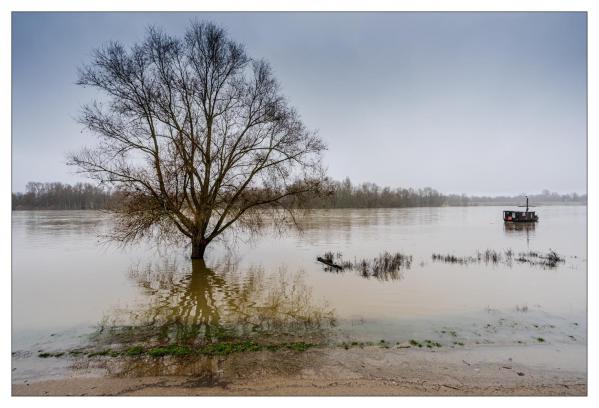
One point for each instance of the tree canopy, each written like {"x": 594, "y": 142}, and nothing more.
{"x": 196, "y": 136}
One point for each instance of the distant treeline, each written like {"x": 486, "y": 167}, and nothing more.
{"x": 341, "y": 194}
{"x": 545, "y": 197}
{"x": 59, "y": 196}
{"x": 344, "y": 194}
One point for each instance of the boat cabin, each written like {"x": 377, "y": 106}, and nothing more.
{"x": 520, "y": 216}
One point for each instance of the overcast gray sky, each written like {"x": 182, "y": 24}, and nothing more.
{"x": 476, "y": 103}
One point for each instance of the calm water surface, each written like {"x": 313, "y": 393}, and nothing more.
{"x": 66, "y": 282}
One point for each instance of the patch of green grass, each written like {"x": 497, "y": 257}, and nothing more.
{"x": 458, "y": 343}
{"x": 220, "y": 348}
{"x": 135, "y": 351}
{"x": 250, "y": 346}
{"x": 170, "y": 350}
{"x": 431, "y": 344}
{"x": 415, "y": 343}
{"x": 383, "y": 343}
{"x": 300, "y": 346}
{"x": 345, "y": 345}
{"x": 100, "y": 353}
{"x": 228, "y": 348}
{"x": 46, "y": 354}
{"x": 540, "y": 340}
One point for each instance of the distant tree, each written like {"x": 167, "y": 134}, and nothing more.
{"x": 196, "y": 137}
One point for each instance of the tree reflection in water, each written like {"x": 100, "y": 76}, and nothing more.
{"x": 195, "y": 305}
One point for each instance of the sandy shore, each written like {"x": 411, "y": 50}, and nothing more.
{"x": 368, "y": 371}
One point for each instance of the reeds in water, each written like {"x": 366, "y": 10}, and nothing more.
{"x": 386, "y": 266}
{"x": 507, "y": 257}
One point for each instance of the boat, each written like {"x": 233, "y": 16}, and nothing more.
{"x": 520, "y": 216}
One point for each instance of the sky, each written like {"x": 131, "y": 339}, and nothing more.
{"x": 474, "y": 103}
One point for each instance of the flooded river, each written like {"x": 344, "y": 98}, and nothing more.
{"x": 66, "y": 283}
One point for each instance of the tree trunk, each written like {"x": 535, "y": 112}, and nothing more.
{"x": 197, "y": 249}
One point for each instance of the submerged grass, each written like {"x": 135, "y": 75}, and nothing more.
{"x": 415, "y": 343}
{"x": 170, "y": 350}
{"x": 507, "y": 257}
{"x": 134, "y": 351}
{"x": 429, "y": 344}
{"x": 47, "y": 355}
{"x": 352, "y": 344}
{"x": 105, "y": 352}
{"x": 549, "y": 260}
{"x": 177, "y": 350}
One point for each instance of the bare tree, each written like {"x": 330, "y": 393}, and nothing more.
{"x": 196, "y": 136}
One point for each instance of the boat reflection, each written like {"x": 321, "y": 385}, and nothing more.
{"x": 520, "y": 229}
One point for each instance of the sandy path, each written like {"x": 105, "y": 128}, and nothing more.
{"x": 369, "y": 371}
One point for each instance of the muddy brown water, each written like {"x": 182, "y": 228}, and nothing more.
{"x": 66, "y": 283}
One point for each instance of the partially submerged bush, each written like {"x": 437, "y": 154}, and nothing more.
{"x": 385, "y": 266}
{"x": 550, "y": 260}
